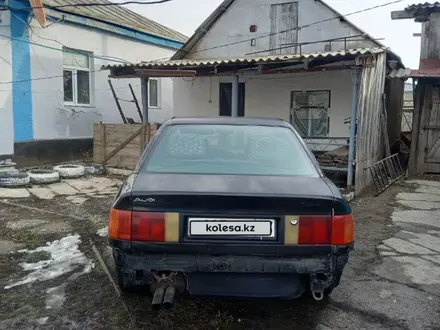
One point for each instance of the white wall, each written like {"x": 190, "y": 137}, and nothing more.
{"x": 6, "y": 121}
{"x": 234, "y": 24}
{"x": 53, "y": 119}
{"x": 269, "y": 96}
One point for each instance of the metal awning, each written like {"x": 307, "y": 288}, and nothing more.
{"x": 228, "y": 66}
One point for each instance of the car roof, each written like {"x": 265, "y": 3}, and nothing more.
{"x": 226, "y": 120}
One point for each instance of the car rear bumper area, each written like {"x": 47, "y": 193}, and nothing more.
{"x": 228, "y": 264}
{"x": 252, "y": 276}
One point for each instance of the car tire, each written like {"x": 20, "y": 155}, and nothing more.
{"x": 95, "y": 169}
{"x": 14, "y": 179}
{"x": 43, "y": 176}
{"x": 70, "y": 171}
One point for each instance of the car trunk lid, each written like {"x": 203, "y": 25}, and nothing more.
{"x": 232, "y": 208}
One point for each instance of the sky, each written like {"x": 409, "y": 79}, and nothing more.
{"x": 186, "y": 15}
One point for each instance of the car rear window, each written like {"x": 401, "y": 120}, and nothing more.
{"x": 228, "y": 150}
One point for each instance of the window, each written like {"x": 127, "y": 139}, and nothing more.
{"x": 228, "y": 150}
{"x": 76, "y": 77}
{"x": 153, "y": 93}
{"x": 309, "y": 114}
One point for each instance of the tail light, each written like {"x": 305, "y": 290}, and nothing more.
{"x": 137, "y": 226}
{"x": 319, "y": 230}
{"x": 148, "y": 227}
{"x": 119, "y": 224}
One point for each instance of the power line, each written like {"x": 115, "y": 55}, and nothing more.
{"x": 68, "y": 49}
{"x": 92, "y": 4}
{"x": 61, "y": 50}
{"x": 296, "y": 28}
{"x": 41, "y": 78}
{"x": 215, "y": 47}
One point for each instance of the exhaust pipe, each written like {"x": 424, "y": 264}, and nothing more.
{"x": 157, "y": 298}
{"x": 169, "y": 297}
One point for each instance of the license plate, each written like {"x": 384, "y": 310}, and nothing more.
{"x": 231, "y": 227}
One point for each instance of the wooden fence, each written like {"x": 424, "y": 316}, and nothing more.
{"x": 120, "y": 145}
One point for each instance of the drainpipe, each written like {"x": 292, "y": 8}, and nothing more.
{"x": 145, "y": 101}
{"x": 234, "y": 96}
{"x": 352, "y": 145}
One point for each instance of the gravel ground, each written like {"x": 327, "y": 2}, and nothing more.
{"x": 81, "y": 298}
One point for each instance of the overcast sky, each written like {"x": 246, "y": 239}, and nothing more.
{"x": 186, "y": 15}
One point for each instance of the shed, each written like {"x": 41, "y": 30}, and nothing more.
{"x": 425, "y": 147}
{"x": 362, "y": 78}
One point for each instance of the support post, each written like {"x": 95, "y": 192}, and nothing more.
{"x": 145, "y": 101}
{"x": 353, "y": 122}
{"x": 234, "y": 96}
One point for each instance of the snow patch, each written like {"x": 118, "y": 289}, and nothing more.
{"x": 65, "y": 257}
{"x": 42, "y": 320}
{"x": 55, "y": 297}
{"x": 103, "y": 232}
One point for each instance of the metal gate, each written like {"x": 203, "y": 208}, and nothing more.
{"x": 283, "y": 28}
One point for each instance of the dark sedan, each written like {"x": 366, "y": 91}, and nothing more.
{"x": 233, "y": 207}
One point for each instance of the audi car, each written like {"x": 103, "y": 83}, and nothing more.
{"x": 232, "y": 207}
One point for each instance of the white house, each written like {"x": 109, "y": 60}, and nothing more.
{"x": 52, "y": 87}
{"x": 297, "y": 60}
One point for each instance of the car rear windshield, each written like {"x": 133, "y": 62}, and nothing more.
{"x": 228, "y": 150}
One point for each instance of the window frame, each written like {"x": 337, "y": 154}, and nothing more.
{"x": 292, "y": 109}
{"x": 159, "y": 94}
{"x": 74, "y": 70}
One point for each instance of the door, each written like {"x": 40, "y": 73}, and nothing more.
{"x": 226, "y": 99}
{"x": 432, "y": 127}
{"x": 283, "y": 28}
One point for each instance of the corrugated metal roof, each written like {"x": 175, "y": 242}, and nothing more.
{"x": 117, "y": 15}
{"x": 400, "y": 73}
{"x": 244, "y": 60}
{"x": 409, "y": 73}
{"x": 425, "y": 5}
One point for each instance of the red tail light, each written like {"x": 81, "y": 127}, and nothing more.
{"x": 136, "y": 226}
{"x": 148, "y": 226}
{"x": 119, "y": 225}
{"x": 320, "y": 230}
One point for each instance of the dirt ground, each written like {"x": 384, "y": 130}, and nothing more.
{"x": 73, "y": 290}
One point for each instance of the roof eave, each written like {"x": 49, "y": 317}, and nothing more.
{"x": 125, "y": 31}
{"x": 251, "y": 65}
{"x": 342, "y": 17}
{"x": 202, "y": 30}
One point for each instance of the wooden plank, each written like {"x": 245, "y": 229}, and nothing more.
{"x": 136, "y": 103}
{"x": 402, "y": 14}
{"x": 124, "y": 162}
{"x": 98, "y": 142}
{"x": 103, "y": 139}
{"x": 114, "y": 152}
{"x": 117, "y": 102}
{"x": 145, "y": 128}
{"x": 121, "y": 145}
{"x": 384, "y": 122}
